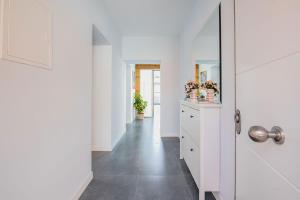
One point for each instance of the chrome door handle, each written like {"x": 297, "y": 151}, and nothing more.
{"x": 260, "y": 134}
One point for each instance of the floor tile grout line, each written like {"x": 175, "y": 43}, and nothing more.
{"x": 136, "y": 188}
{"x": 168, "y": 149}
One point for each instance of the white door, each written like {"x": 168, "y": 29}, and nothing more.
{"x": 268, "y": 94}
{"x": 146, "y": 87}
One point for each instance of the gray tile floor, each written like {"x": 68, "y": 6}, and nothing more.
{"x": 142, "y": 167}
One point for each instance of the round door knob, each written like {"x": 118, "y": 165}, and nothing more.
{"x": 260, "y": 134}
{"x": 192, "y": 149}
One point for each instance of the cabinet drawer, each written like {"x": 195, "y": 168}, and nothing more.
{"x": 183, "y": 144}
{"x": 190, "y": 121}
{"x": 184, "y": 116}
{"x": 192, "y": 158}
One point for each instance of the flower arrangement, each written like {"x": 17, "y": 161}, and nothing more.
{"x": 210, "y": 85}
{"x": 190, "y": 86}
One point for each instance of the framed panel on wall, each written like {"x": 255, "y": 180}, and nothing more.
{"x": 26, "y": 32}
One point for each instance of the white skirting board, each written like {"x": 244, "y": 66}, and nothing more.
{"x": 83, "y": 186}
{"x": 97, "y": 148}
{"x": 169, "y": 135}
{"x": 109, "y": 148}
{"x": 117, "y": 142}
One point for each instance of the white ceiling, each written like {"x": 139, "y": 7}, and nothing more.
{"x": 149, "y": 17}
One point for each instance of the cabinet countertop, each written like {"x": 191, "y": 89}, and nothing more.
{"x": 198, "y": 105}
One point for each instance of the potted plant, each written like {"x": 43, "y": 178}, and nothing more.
{"x": 191, "y": 89}
{"x": 211, "y": 88}
{"x": 140, "y": 105}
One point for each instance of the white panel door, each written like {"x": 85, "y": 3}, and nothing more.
{"x": 268, "y": 94}
{"x": 146, "y": 85}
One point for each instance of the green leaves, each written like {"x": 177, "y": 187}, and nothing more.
{"x": 139, "y": 103}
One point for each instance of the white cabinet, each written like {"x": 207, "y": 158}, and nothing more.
{"x": 200, "y": 143}
{"x": 26, "y": 32}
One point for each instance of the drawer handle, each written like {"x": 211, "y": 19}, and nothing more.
{"x": 192, "y": 149}
{"x": 191, "y": 116}
{"x": 182, "y": 137}
{"x": 182, "y": 111}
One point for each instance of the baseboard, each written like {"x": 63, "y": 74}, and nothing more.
{"x": 83, "y": 186}
{"x": 166, "y": 135}
{"x": 97, "y": 148}
{"x": 217, "y": 195}
{"x": 117, "y": 142}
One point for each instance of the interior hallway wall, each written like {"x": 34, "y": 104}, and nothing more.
{"x": 99, "y": 16}
{"x": 199, "y": 15}
{"x": 45, "y": 131}
{"x": 129, "y": 93}
{"x": 101, "y": 120}
{"x": 166, "y": 51}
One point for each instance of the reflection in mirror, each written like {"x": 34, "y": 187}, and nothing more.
{"x": 207, "y": 56}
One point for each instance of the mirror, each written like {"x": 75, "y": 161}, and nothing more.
{"x": 207, "y": 54}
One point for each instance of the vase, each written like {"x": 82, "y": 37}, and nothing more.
{"x": 140, "y": 116}
{"x": 210, "y": 95}
{"x": 193, "y": 94}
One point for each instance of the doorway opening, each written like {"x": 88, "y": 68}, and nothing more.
{"x": 145, "y": 80}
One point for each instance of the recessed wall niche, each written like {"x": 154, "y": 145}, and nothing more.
{"x": 26, "y": 32}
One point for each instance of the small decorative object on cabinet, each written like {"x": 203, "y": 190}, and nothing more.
{"x": 191, "y": 90}
{"x": 193, "y": 94}
{"x": 200, "y": 143}
{"x": 212, "y": 90}
{"x": 140, "y": 105}
{"x": 210, "y": 95}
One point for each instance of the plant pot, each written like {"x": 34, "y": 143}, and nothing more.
{"x": 193, "y": 94}
{"x": 210, "y": 95}
{"x": 140, "y": 116}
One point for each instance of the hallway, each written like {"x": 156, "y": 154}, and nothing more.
{"x": 141, "y": 167}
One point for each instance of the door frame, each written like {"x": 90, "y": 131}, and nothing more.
{"x": 235, "y": 100}
{"x": 153, "y": 89}
{"x": 138, "y": 68}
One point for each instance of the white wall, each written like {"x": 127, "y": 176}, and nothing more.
{"x": 118, "y": 97}
{"x": 130, "y": 91}
{"x": 201, "y": 12}
{"x": 118, "y": 104}
{"x": 206, "y": 48}
{"x": 166, "y": 51}
{"x": 45, "y": 145}
{"x": 101, "y": 120}
{"x": 129, "y": 94}
{"x": 206, "y": 44}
